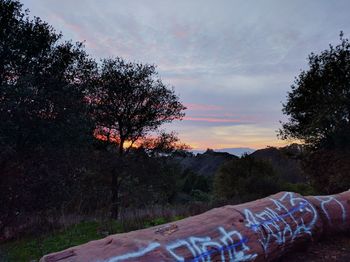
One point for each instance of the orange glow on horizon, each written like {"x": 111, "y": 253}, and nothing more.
{"x": 215, "y": 139}
{"x": 113, "y": 139}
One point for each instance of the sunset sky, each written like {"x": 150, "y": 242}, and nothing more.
{"x": 231, "y": 62}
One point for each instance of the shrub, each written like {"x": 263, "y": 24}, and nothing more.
{"x": 245, "y": 179}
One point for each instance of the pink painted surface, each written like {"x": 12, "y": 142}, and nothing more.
{"x": 261, "y": 230}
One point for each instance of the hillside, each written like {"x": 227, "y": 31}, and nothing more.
{"x": 205, "y": 164}
{"x": 285, "y": 161}
{"x": 237, "y": 151}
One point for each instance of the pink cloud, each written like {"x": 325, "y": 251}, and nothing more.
{"x": 203, "y": 107}
{"x": 181, "y": 31}
{"x": 76, "y": 29}
{"x": 215, "y": 120}
{"x": 213, "y": 115}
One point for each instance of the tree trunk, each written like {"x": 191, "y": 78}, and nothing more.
{"x": 115, "y": 196}
{"x": 262, "y": 230}
{"x": 116, "y": 180}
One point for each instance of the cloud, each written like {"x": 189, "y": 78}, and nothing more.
{"x": 241, "y": 135}
{"x": 232, "y": 61}
{"x": 203, "y": 107}
{"x": 214, "y": 120}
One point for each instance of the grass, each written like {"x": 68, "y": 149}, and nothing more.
{"x": 33, "y": 248}
{"x": 70, "y": 230}
{"x": 29, "y": 249}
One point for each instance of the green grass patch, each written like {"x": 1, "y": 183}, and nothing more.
{"x": 33, "y": 248}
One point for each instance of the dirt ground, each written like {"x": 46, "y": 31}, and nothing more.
{"x": 329, "y": 249}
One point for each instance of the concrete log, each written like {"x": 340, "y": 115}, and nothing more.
{"x": 260, "y": 230}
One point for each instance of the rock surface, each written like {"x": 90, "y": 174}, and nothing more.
{"x": 261, "y": 230}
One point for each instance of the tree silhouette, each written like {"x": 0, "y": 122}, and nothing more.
{"x": 54, "y": 102}
{"x": 44, "y": 121}
{"x": 130, "y": 102}
{"x": 319, "y": 104}
{"x": 319, "y": 114}
{"x": 42, "y": 83}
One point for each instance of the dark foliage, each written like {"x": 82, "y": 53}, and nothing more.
{"x": 329, "y": 170}
{"x": 44, "y": 122}
{"x": 53, "y": 98}
{"x": 42, "y": 84}
{"x": 286, "y": 161}
{"x": 245, "y": 179}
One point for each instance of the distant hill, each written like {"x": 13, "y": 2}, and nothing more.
{"x": 205, "y": 164}
{"x": 237, "y": 151}
{"x": 285, "y": 161}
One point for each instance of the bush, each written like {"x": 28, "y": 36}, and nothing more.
{"x": 329, "y": 170}
{"x": 304, "y": 189}
{"x": 245, "y": 179}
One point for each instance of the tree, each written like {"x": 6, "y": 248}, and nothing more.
{"x": 319, "y": 104}
{"x": 44, "y": 121}
{"x": 319, "y": 114}
{"x": 43, "y": 82}
{"x": 131, "y": 102}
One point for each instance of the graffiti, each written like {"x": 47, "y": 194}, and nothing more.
{"x": 289, "y": 217}
{"x": 225, "y": 248}
{"x": 271, "y": 224}
{"x": 136, "y": 254}
{"x": 231, "y": 246}
{"x": 326, "y": 200}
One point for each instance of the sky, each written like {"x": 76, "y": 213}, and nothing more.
{"x": 231, "y": 62}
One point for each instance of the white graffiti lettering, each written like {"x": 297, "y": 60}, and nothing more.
{"x": 326, "y": 200}
{"x": 271, "y": 223}
{"x": 230, "y": 246}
